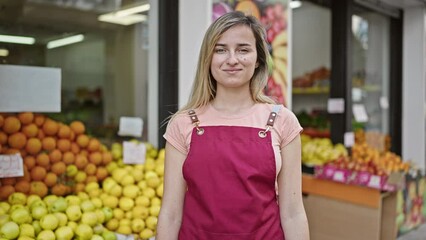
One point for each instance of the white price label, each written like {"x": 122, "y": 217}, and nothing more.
{"x": 336, "y": 105}
{"x": 130, "y": 126}
{"x": 360, "y": 113}
{"x": 374, "y": 181}
{"x": 11, "y": 166}
{"x": 349, "y": 139}
{"x": 384, "y": 102}
{"x": 338, "y": 176}
{"x": 134, "y": 153}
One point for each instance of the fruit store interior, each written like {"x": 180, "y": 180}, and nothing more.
{"x": 80, "y": 177}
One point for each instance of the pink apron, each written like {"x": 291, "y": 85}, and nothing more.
{"x": 230, "y": 173}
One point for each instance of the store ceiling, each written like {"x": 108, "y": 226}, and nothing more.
{"x": 49, "y": 19}
{"x": 404, "y": 3}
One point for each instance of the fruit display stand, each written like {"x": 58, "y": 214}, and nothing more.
{"x": 341, "y": 211}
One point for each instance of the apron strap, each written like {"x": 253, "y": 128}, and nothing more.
{"x": 271, "y": 120}
{"x": 195, "y": 121}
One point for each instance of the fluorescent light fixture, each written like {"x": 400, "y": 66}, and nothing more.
{"x": 4, "y": 52}
{"x": 17, "y": 39}
{"x": 295, "y": 4}
{"x": 126, "y": 16}
{"x": 65, "y": 41}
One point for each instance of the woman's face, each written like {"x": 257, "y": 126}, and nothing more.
{"x": 234, "y": 58}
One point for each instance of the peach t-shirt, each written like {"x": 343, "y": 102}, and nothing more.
{"x": 285, "y": 129}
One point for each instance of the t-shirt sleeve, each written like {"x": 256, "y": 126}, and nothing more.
{"x": 175, "y": 134}
{"x": 289, "y": 126}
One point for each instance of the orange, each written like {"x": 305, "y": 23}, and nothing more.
{"x": 68, "y": 158}
{"x": 22, "y": 186}
{"x": 1, "y": 120}
{"x": 55, "y": 156}
{"x": 59, "y": 189}
{"x": 50, "y": 179}
{"x": 30, "y": 130}
{"x": 83, "y": 140}
{"x": 64, "y": 131}
{"x": 41, "y": 135}
{"x": 101, "y": 173}
{"x": 5, "y": 192}
{"x": 8, "y": 181}
{"x": 91, "y": 178}
{"x": 81, "y": 161}
{"x": 49, "y": 143}
{"x": 75, "y": 148}
{"x": 77, "y": 127}
{"x": 33, "y": 146}
{"x": 43, "y": 160}
{"x": 50, "y": 127}
{"x": 106, "y": 158}
{"x": 26, "y": 117}
{"x": 29, "y": 161}
{"x": 79, "y": 187}
{"x": 38, "y": 188}
{"x": 95, "y": 158}
{"x": 84, "y": 152}
{"x": 39, "y": 119}
{"x": 94, "y": 145}
{"x": 58, "y": 168}
{"x": 3, "y": 138}
{"x": 72, "y": 136}
{"x": 11, "y": 125}
{"x": 38, "y": 173}
{"x": 64, "y": 145}
{"x": 17, "y": 140}
{"x": 90, "y": 169}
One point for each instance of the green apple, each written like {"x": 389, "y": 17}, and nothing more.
{"x": 37, "y": 212}
{"x": 108, "y": 235}
{"x": 17, "y": 198}
{"x": 72, "y": 225}
{"x": 87, "y": 206}
{"x": 50, "y": 199}
{"x": 37, "y": 227}
{"x": 96, "y": 237}
{"x": 9, "y": 230}
{"x": 38, "y": 203}
{"x": 108, "y": 213}
{"x": 33, "y": 198}
{"x": 72, "y": 200}
{"x": 89, "y": 218}
{"x": 64, "y": 233}
{"x": 98, "y": 229}
{"x": 16, "y": 206}
{"x": 21, "y": 215}
{"x": 4, "y": 219}
{"x": 84, "y": 231}
{"x": 46, "y": 235}
{"x": 73, "y": 213}
{"x": 26, "y": 230}
{"x": 62, "y": 217}
{"x": 49, "y": 222}
{"x": 100, "y": 215}
{"x": 59, "y": 205}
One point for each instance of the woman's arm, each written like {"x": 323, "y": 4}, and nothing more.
{"x": 293, "y": 217}
{"x": 170, "y": 217}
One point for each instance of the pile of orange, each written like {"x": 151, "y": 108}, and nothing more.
{"x": 58, "y": 158}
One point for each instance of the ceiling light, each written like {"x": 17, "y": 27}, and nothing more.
{"x": 295, "y": 4}
{"x": 4, "y": 52}
{"x": 17, "y": 39}
{"x": 65, "y": 41}
{"x": 126, "y": 16}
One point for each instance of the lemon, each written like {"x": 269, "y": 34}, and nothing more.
{"x": 127, "y": 180}
{"x": 159, "y": 169}
{"x": 154, "y": 210}
{"x": 110, "y": 201}
{"x": 118, "y": 174}
{"x": 153, "y": 182}
{"x": 148, "y": 192}
{"x": 91, "y": 186}
{"x": 151, "y": 222}
{"x": 138, "y": 225}
{"x": 140, "y": 212}
{"x": 95, "y": 193}
{"x": 118, "y": 213}
{"x": 131, "y": 191}
{"x": 160, "y": 190}
{"x": 142, "y": 185}
{"x": 125, "y": 222}
{"x": 140, "y": 167}
{"x": 128, "y": 215}
{"x": 108, "y": 183}
{"x": 97, "y": 202}
{"x": 150, "y": 174}
{"x": 155, "y": 201}
{"x": 142, "y": 201}
{"x": 116, "y": 190}
{"x": 126, "y": 203}
{"x": 137, "y": 174}
{"x": 112, "y": 224}
{"x": 123, "y": 229}
{"x": 146, "y": 233}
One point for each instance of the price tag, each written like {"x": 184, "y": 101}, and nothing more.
{"x": 356, "y": 94}
{"x": 130, "y": 126}
{"x": 360, "y": 113}
{"x": 336, "y": 105}
{"x": 349, "y": 139}
{"x": 134, "y": 153}
{"x": 384, "y": 102}
{"x": 374, "y": 181}
{"x": 338, "y": 176}
{"x": 11, "y": 166}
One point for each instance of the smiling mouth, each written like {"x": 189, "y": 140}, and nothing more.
{"x": 232, "y": 70}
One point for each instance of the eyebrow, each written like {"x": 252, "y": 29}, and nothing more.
{"x": 239, "y": 45}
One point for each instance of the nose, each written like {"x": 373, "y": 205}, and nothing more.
{"x": 232, "y": 58}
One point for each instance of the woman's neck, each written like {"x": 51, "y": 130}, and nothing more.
{"x": 232, "y": 103}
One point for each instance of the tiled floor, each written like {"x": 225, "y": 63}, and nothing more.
{"x": 417, "y": 234}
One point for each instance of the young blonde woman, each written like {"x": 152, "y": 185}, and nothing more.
{"x": 233, "y": 158}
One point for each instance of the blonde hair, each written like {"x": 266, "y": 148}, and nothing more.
{"x": 204, "y": 87}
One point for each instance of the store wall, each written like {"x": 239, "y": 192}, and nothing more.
{"x": 414, "y": 87}
{"x": 194, "y": 19}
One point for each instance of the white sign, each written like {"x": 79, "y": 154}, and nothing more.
{"x": 336, "y": 105}
{"x": 349, "y": 139}
{"x": 384, "y": 103}
{"x": 360, "y": 113}
{"x": 30, "y": 89}
{"x": 134, "y": 153}
{"x": 11, "y": 166}
{"x": 130, "y": 126}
